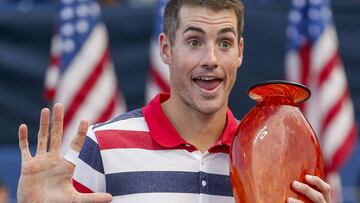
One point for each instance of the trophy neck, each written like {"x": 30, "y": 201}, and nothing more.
{"x": 277, "y": 100}
{"x": 279, "y": 92}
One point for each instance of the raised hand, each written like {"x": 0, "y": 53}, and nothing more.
{"x": 46, "y": 177}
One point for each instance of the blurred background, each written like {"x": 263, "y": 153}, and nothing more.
{"x": 27, "y": 27}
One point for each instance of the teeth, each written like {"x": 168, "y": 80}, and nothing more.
{"x": 205, "y": 78}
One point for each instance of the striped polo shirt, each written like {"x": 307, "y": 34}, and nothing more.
{"x": 140, "y": 157}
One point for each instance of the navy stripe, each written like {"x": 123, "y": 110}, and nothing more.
{"x": 90, "y": 154}
{"x": 168, "y": 182}
{"x": 127, "y": 115}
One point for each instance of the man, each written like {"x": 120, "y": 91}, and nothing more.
{"x": 175, "y": 149}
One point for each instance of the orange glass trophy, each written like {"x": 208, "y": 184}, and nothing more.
{"x": 274, "y": 145}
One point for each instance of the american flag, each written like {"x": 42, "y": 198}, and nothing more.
{"x": 313, "y": 59}
{"x": 81, "y": 74}
{"x": 159, "y": 76}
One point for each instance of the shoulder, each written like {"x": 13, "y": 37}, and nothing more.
{"x": 129, "y": 121}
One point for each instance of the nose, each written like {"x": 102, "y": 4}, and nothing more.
{"x": 210, "y": 57}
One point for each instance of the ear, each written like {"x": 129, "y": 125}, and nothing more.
{"x": 165, "y": 48}
{"x": 241, "y": 51}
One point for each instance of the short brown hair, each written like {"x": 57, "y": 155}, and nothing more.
{"x": 172, "y": 9}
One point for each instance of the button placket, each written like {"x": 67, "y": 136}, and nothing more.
{"x": 203, "y": 183}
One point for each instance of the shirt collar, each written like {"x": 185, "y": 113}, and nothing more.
{"x": 165, "y": 134}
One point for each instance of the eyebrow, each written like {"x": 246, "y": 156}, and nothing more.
{"x": 226, "y": 30}
{"x": 199, "y": 30}
{"x": 196, "y": 29}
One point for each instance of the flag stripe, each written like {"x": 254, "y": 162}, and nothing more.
{"x": 159, "y": 80}
{"x": 110, "y": 108}
{"x": 344, "y": 151}
{"x": 334, "y": 110}
{"x": 158, "y": 76}
{"x": 328, "y": 69}
{"x": 305, "y": 63}
{"x": 85, "y": 89}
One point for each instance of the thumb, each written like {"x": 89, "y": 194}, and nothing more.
{"x": 93, "y": 198}
{"x": 76, "y": 144}
{"x": 79, "y": 139}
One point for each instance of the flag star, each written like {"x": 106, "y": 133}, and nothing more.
{"x": 67, "y": 13}
{"x": 82, "y": 26}
{"x": 95, "y": 9}
{"x": 314, "y": 30}
{"x": 295, "y": 16}
{"x": 313, "y": 14}
{"x": 292, "y": 32}
{"x": 67, "y": 1}
{"x": 67, "y": 29}
{"x": 326, "y": 13}
{"x": 315, "y": 2}
{"x": 299, "y": 3}
{"x": 82, "y": 10}
{"x": 68, "y": 45}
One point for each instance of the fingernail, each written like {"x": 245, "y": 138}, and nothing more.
{"x": 309, "y": 177}
{"x": 296, "y": 184}
{"x": 291, "y": 200}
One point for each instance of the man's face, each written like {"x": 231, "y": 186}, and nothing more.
{"x": 203, "y": 58}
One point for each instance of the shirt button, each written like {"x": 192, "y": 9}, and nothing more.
{"x": 203, "y": 183}
{"x": 187, "y": 145}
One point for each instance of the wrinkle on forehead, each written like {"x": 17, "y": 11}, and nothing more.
{"x": 200, "y": 15}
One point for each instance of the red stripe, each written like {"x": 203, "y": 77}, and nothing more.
{"x": 328, "y": 69}
{"x": 123, "y": 139}
{"x": 334, "y": 110}
{"x": 49, "y": 94}
{"x": 54, "y": 60}
{"x": 83, "y": 92}
{"x": 80, "y": 187}
{"x": 343, "y": 152}
{"x": 161, "y": 82}
{"x": 112, "y": 139}
{"x": 109, "y": 110}
{"x": 304, "y": 54}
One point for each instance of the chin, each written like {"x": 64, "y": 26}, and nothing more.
{"x": 208, "y": 109}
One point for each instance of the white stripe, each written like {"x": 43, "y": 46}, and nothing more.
{"x": 52, "y": 77}
{"x": 95, "y": 103}
{"x": 332, "y": 89}
{"x": 159, "y": 66}
{"x": 55, "y": 49}
{"x": 292, "y": 64}
{"x": 163, "y": 160}
{"x": 89, "y": 177}
{"x": 83, "y": 64}
{"x": 338, "y": 129}
{"x": 132, "y": 124}
{"x": 172, "y": 197}
{"x": 151, "y": 90}
{"x": 323, "y": 50}
{"x": 312, "y": 107}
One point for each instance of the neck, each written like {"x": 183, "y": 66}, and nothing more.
{"x": 199, "y": 129}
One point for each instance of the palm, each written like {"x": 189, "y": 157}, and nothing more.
{"x": 46, "y": 177}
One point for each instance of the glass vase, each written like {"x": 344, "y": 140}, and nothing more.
{"x": 274, "y": 145}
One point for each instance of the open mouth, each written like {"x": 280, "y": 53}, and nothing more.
{"x": 207, "y": 83}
